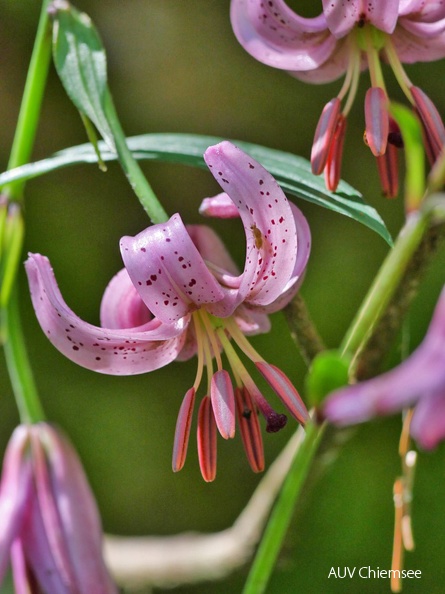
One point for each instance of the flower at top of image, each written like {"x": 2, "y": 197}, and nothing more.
{"x": 180, "y": 294}
{"x": 346, "y": 38}
{"x": 418, "y": 381}
{"x": 50, "y": 528}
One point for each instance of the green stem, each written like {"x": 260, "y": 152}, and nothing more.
{"x": 385, "y": 284}
{"x": 131, "y": 167}
{"x": 302, "y": 329}
{"x": 371, "y": 356}
{"x": 17, "y": 361}
{"x": 31, "y": 102}
{"x": 19, "y": 368}
{"x": 281, "y": 515}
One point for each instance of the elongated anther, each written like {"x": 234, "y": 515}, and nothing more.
{"x": 433, "y": 126}
{"x": 182, "y": 432}
{"x": 323, "y": 135}
{"x": 223, "y": 403}
{"x": 284, "y": 388}
{"x": 377, "y": 120}
{"x": 250, "y": 429}
{"x": 207, "y": 440}
{"x": 332, "y": 170}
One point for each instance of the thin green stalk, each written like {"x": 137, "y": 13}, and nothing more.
{"x": 131, "y": 167}
{"x": 19, "y": 368}
{"x": 281, "y": 516}
{"x": 31, "y": 102}
{"x": 385, "y": 284}
{"x": 17, "y": 361}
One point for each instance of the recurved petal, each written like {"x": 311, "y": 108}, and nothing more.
{"x": 334, "y": 67}
{"x": 112, "y": 351}
{"x": 428, "y": 422}
{"x": 413, "y": 48}
{"x": 341, "y": 16}
{"x": 122, "y": 306}
{"x": 303, "y": 253}
{"x": 168, "y": 271}
{"x": 15, "y": 492}
{"x": 220, "y": 206}
{"x": 275, "y": 35}
{"x": 271, "y": 237}
{"x": 79, "y": 517}
{"x": 214, "y": 252}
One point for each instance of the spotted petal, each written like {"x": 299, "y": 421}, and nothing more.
{"x": 342, "y": 16}
{"x": 271, "y": 236}
{"x": 168, "y": 271}
{"x": 273, "y": 34}
{"x": 112, "y": 351}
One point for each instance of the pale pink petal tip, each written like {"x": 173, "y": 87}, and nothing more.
{"x": 182, "y": 432}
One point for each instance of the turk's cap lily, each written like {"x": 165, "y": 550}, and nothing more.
{"x": 180, "y": 294}
{"x": 345, "y": 39}
{"x": 50, "y": 531}
{"x": 419, "y": 381}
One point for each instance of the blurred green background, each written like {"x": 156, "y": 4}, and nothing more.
{"x": 176, "y": 67}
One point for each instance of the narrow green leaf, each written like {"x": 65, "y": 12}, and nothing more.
{"x": 292, "y": 172}
{"x": 81, "y": 64}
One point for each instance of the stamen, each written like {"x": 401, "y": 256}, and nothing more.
{"x": 250, "y": 429}
{"x": 374, "y": 64}
{"x": 399, "y": 72}
{"x": 223, "y": 403}
{"x": 241, "y": 340}
{"x": 206, "y": 438}
{"x": 323, "y": 135}
{"x": 182, "y": 432}
{"x": 200, "y": 351}
{"x": 211, "y": 337}
{"x": 284, "y": 388}
{"x": 332, "y": 171}
{"x": 355, "y": 77}
{"x": 377, "y": 120}
{"x": 275, "y": 421}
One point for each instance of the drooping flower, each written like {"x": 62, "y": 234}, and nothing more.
{"x": 419, "y": 381}
{"x": 346, "y": 38}
{"x": 50, "y": 529}
{"x": 181, "y": 294}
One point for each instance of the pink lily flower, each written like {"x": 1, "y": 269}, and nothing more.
{"x": 50, "y": 529}
{"x": 180, "y": 294}
{"x": 419, "y": 381}
{"x": 346, "y": 38}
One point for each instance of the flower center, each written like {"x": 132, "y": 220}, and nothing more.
{"x": 214, "y": 335}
